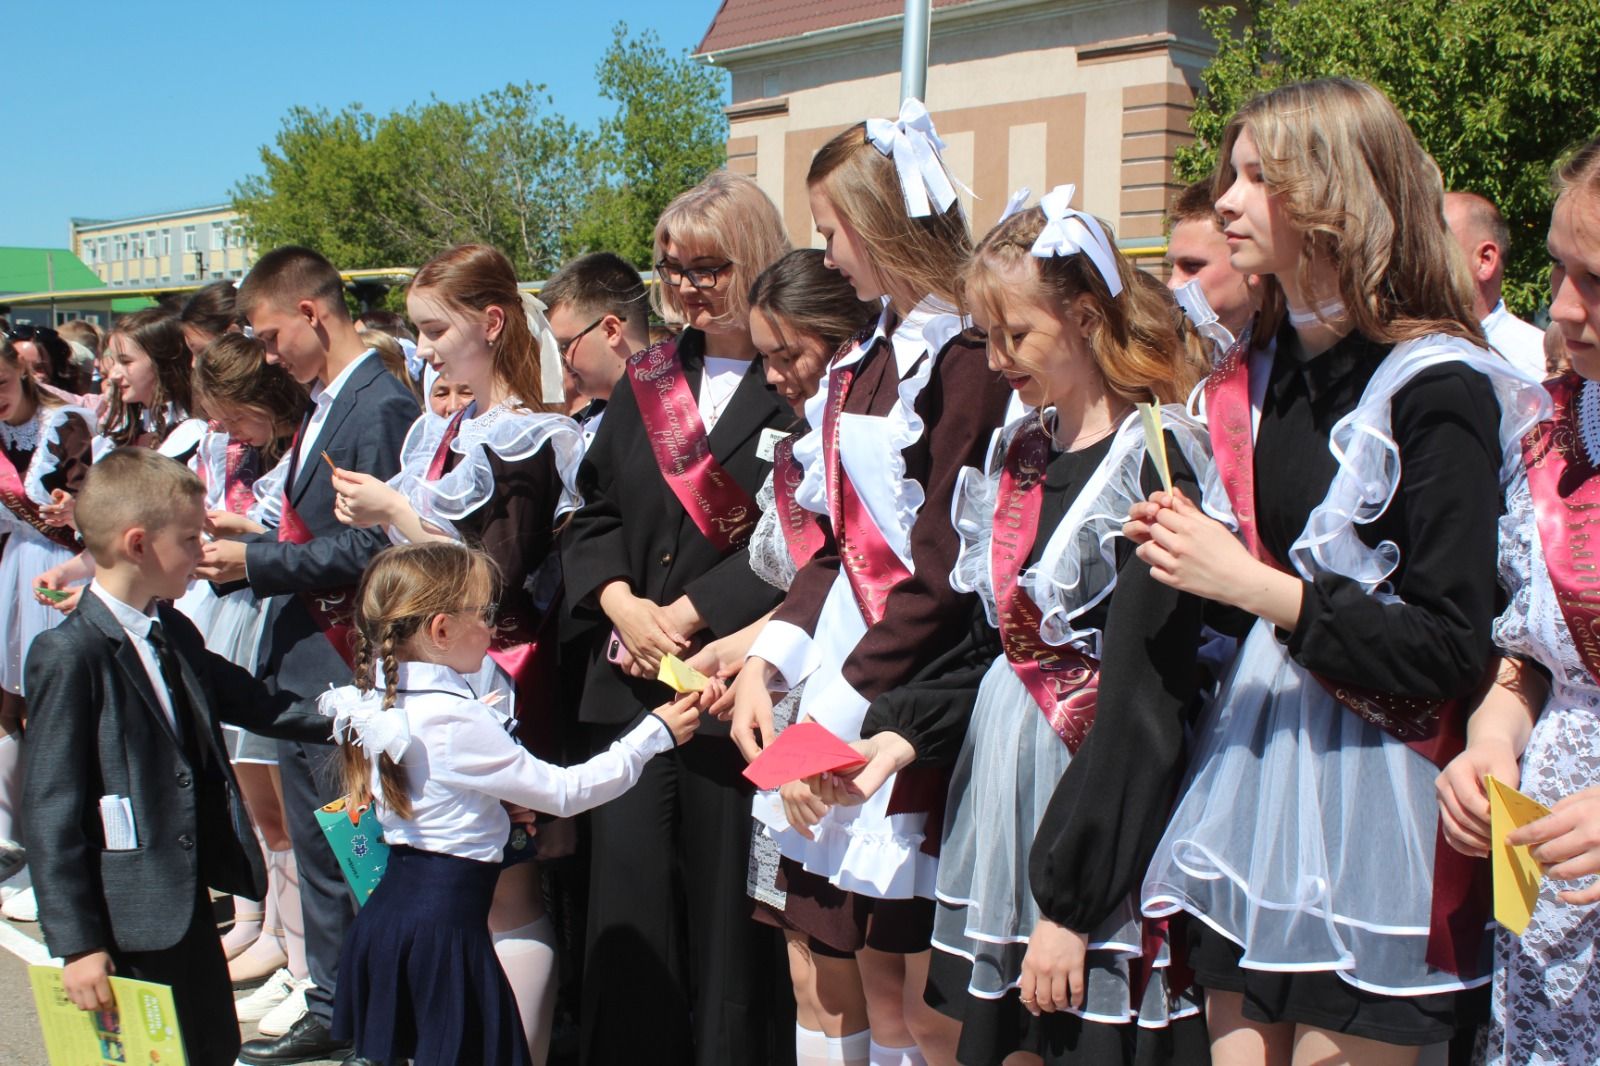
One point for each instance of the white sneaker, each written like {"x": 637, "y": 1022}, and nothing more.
{"x": 258, "y": 1004}
{"x": 22, "y": 906}
{"x": 281, "y": 1019}
{"x": 15, "y": 885}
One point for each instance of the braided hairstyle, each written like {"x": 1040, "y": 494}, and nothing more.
{"x": 403, "y": 590}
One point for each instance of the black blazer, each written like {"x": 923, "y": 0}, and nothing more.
{"x": 364, "y": 431}
{"x": 95, "y": 728}
{"x": 631, "y": 526}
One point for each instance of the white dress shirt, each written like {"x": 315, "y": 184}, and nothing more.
{"x": 718, "y": 382}
{"x": 462, "y": 761}
{"x": 1521, "y": 343}
{"x": 322, "y": 397}
{"x": 136, "y": 624}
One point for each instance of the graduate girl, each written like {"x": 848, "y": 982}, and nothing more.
{"x": 1361, "y": 438}
{"x": 903, "y": 410}
{"x": 499, "y": 474}
{"x": 1546, "y": 1008}
{"x": 150, "y": 371}
{"x": 419, "y": 979}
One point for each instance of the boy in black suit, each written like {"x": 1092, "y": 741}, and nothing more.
{"x": 126, "y": 703}
{"x": 293, "y": 299}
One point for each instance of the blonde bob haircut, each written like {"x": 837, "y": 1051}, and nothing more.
{"x": 726, "y": 215}
{"x": 1353, "y": 180}
{"x": 1578, "y": 171}
{"x": 1134, "y": 337}
{"x": 917, "y": 256}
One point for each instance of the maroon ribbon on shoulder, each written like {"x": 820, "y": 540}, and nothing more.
{"x": 14, "y": 496}
{"x": 1435, "y": 729}
{"x": 802, "y": 529}
{"x": 717, "y": 505}
{"x": 330, "y": 609}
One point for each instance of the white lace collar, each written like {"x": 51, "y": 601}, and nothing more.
{"x": 21, "y": 438}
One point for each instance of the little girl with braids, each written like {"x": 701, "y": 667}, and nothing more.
{"x": 439, "y": 765}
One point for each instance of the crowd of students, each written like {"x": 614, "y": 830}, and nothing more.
{"x": 1173, "y": 740}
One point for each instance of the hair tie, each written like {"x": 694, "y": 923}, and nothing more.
{"x": 1069, "y": 232}
{"x": 912, "y": 143}
{"x": 551, "y": 386}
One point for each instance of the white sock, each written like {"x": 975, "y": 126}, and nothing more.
{"x": 10, "y": 787}
{"x": 878, "y": 1055}
{"x": 810, "y": 1046}
{"x": 528, "y": 956}
{"x": 852, "y": 1049}
{"x": 289, "y": 915}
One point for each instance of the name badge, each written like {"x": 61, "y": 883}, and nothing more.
{"x": 765, "y": 447}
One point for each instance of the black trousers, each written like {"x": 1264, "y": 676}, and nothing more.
{"x": 198, "y": 973}
{"x": 676, "y": 970}
{"x": 311, "y": 778}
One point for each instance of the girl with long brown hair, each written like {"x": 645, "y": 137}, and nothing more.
{"x": 151, "y": 400}
{"x": 1362, "y": 436}
{"x": 419, "y": 978}
{"x": 499, "y": 475}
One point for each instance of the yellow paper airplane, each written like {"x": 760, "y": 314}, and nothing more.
{"x": 1155, "y": 441}
{"x": 680, "y": 676}
{"x": 1516, "y": 872}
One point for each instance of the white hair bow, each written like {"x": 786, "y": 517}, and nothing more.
{"x": 1193, "y": 300}
{"x": 550, "y": 376}
{"x": 359, "y": 718}
{"x": 1018, "y": 201}
{"x": 1068, "y": 232}
{"x": 914, "y": 146}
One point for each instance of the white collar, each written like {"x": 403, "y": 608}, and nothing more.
{"x": 128, "y": 616}
{"x": 926, "y": 329}
{"x": 416, "y": 676}
{"x": 330, "y": 391}
{"x": 1493, "y": 317}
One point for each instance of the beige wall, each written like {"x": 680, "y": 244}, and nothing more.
{"x": 1097, "y": 94}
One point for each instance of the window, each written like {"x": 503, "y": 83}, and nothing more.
{"x": 100, "y": 254}
{"x": 189, "y": 244}
{"x": 150, "y": 242}
{"x": 219, "y": 237}
{"x": 166, "y": 242}
{"x": 88, "y": 253}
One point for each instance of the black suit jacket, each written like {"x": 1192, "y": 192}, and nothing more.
{"x": 95, "y": 728}
{"x": 364, "y": 431}
{"x": 631, "y": 526}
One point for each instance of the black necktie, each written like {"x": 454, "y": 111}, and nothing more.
{"x": 172, "y": 674}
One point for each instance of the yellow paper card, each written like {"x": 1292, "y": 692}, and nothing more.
{"x": 680, "y": 676}
{"x": 1155, "y": 441}
{"x": 1516, "y": 872}
{"x": 141, "y": 1027}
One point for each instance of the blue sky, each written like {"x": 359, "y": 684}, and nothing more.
{"x": 115, "y": 109}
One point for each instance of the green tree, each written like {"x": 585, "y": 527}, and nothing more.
{"x": 667, "y": 134}
{"x": 1496, "y": 90}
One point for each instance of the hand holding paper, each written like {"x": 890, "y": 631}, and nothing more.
{"x": 1516, "y": 873}
{"x": 803, "y": 750}
{"x": 679, "y": 676}
{"x": 1155, "y": 441}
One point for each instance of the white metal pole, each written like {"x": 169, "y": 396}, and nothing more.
{"x": 914, "y": 51}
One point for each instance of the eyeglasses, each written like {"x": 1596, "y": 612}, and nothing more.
{"x": 28, "y": 332}
{"x": 566, "y": 347}
{"x": 700, "y": 277}
{"x": 487, "y": 612}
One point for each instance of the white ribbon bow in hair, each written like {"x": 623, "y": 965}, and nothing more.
{"x": 550, "y": 376}
{"x": 1068, "y": 232}
{"x": 1018, "y": 201}
{"x": 914, "y": 145}
{"x": 359, "y": 718}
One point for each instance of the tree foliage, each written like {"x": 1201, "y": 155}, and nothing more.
{"x": 393, "y": 190}
{"x": 1496, "y": 90}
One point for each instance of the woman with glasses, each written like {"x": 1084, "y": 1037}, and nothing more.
{"x": 499, "y": 474}
{"x": 47, "y": 356}
{"x": 658, "y": 554}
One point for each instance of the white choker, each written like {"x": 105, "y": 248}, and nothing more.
{"x": 1328, "y": 311}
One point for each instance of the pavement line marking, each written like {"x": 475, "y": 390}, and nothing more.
{"x": 24, "y": 946}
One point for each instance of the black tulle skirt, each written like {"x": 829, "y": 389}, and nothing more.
{"x": 418, "y": 976}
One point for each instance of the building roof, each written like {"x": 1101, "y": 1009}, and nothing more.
{"x": 149, "y": 218}
{"x": 745, "y": 22}
{"x": 42, "y": 269}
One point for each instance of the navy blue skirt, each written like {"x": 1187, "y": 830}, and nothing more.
{"x": 418, "y": 976}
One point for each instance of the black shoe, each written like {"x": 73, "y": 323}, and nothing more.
{"x": 357, "y": 1060}
{"x": 306, "y": 1041}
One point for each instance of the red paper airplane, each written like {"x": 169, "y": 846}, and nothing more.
{"x": 805, "y": 749}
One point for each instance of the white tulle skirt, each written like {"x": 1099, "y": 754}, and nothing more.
{"x": 1004, "y": 777}
{"x": 27, "y": 554}
{"x": 1304, "y": 834}
{"x": 232, "y": 626}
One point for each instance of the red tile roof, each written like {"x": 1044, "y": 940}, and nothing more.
{"x": 742, "y": 22}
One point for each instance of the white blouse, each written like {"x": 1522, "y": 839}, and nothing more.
{"x": 459, "y": 761}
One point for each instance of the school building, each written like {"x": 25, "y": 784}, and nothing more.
{"x": 1024, "y": 92}
{"x": 189, "y": 247}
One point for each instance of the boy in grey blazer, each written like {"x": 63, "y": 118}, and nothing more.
{"x": 134, "y": 810}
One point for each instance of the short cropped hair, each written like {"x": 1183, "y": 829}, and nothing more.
{"x": 1196, "y": 203}
{"x": 600, "y": 283}
{"x": 1485, "y": 219}
{"x": 287, "y": 275}
{"x": 132, "y": 487}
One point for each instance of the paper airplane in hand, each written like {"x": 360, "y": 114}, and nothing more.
{"x": 1516, "y": 872}
{"x": 680, "y": 676}
{"x": 805, "y": 749}
{"x": 1155, "y": 441}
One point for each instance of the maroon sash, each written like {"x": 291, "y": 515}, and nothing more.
{"x": 802, "y": 531}
{"x": 243, "y": 466}
{"x": 871, "y": 565}
{"x": 1435, "y": 729}
{"x": 1566, "y": 502}
{"x": 719, "y": 508}
{"x": 1062, "y": 680}
{"x": 14, "y": 495}
{"x": 330, "y": 609}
